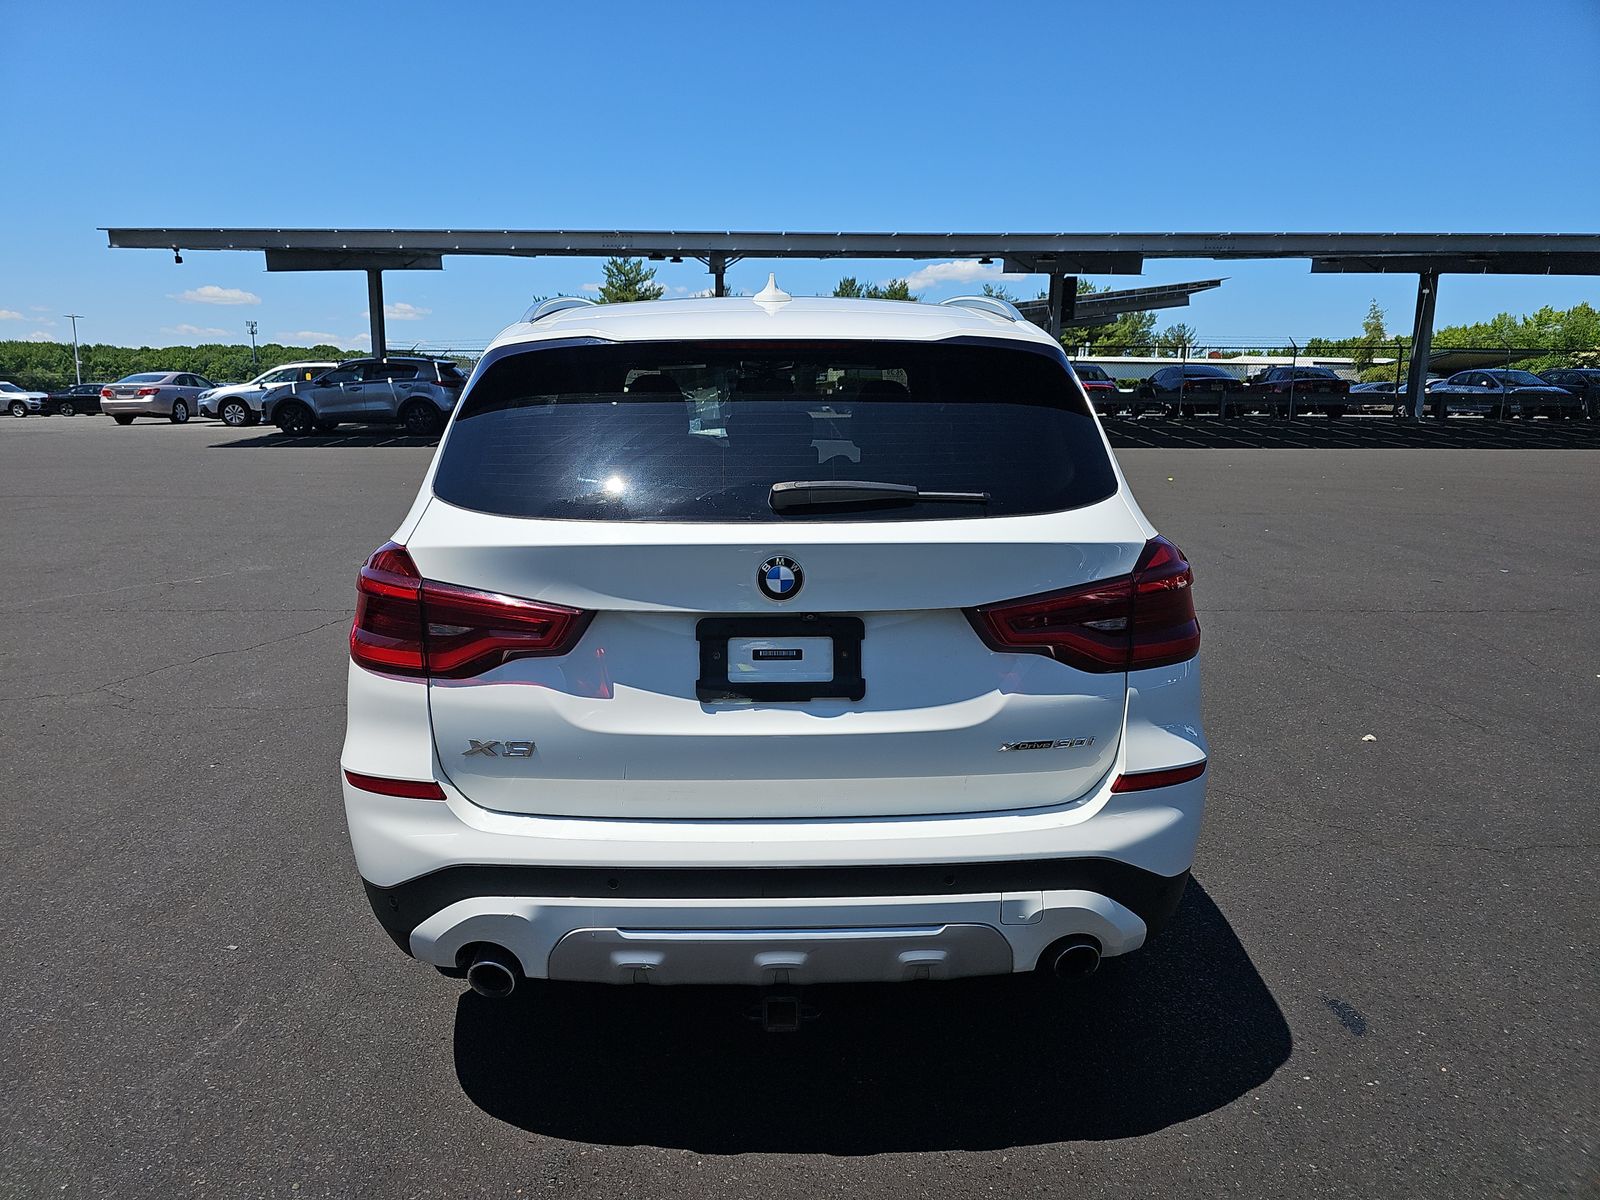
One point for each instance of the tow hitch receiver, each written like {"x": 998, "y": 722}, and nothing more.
{"x": 781, "y": 1012}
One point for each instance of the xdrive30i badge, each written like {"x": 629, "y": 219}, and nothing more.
{"x": 1050, "y": 744}
{"x": 498, "y": 749}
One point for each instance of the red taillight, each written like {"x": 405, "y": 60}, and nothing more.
{"x": 151, "y": 391}
{"x": 1139, "y": 781}
{"x": 387, "y": 633}
{"x": 1135, "y": 621}
{"x": 409, "y": 789}
{"x": 107, "y": 394}
{"x": 407, "y": 625}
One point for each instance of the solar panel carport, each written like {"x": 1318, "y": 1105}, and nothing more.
{"x": 1061, "y": 256}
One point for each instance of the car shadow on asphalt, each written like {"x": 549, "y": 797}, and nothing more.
{"x": 1349, "y": 433}
{"x": 273, "y": 440}
{"x": 1167, "y": 1034}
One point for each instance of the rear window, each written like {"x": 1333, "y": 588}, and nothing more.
{"x": 1206, "y": 373}
{"x": 700, "y": 431}
{"x": 147, "y": 377}
{"x": 1088, "y": 371}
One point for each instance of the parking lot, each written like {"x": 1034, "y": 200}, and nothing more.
{"x": 1382, "y": 980}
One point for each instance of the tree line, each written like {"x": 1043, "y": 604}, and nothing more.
{"x": 1539, "y": 341}
{"x": 48, "y": 365}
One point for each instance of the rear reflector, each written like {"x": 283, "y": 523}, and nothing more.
{"x": 410, "y": 789}
{"x": 407, "y": 625}
{"x": 1139, "y": 781}
{"x": 1145, "y": 619}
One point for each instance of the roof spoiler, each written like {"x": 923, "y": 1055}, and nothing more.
{"x": 988, "y": 304}
{"x": 544, "y": 308}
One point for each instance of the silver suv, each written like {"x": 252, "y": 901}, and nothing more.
{"x": 419, "y": 393}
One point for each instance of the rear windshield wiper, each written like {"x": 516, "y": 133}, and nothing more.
{"x": 851, "y": 493}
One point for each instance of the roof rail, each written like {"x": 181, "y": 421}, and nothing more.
{"x": 557, "y": 304}
{"x": 989, "y": 304}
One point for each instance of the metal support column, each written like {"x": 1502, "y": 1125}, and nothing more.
{"x": 1421, "y": 342}
{"x": 375, "y": 313}
{"x": 1063, "y": 298}
{"x": 719, "y": 272}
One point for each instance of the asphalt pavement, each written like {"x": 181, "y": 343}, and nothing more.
{"x": 1382, "y": 981}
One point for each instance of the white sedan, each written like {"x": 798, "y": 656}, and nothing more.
{"x": 240, "y": 404}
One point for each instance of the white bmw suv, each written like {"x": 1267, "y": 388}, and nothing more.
{"x": 773, "y": 641}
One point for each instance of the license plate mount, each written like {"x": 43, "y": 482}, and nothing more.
{"x": 780, "y": 659}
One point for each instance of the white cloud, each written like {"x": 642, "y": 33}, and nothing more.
{"x": 963, "y": 270}
{"x": 212, "y": 294}
{"x": 10, "y": 314}
{"x": 194, "y": 331}
{"x": 401, "y": 311}
{"x": 590, "y": 287}
{"x": 313, "y": 337}
{"x": 321, "y": 337}
{"x": 38, "y": 308}
{"x": 39, "y": 335}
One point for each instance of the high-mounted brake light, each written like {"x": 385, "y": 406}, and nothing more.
{"x": 1144, "y": 619}
{"x": 407, "y": 625}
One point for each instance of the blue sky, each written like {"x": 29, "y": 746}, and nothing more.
{"x": 911, "y": 117}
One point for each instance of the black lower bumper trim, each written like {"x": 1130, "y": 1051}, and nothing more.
{"x": 403, "y": 907}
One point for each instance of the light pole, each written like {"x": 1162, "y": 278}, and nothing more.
{"x": 77, "y": 367}
{"x": 251, "y": 326}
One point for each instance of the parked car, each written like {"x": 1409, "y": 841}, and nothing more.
{"x": 630, "y": 703}
{"x": 418, "y": 393}
{"x": 239, "y": 404}
{"x": 1582, "y": 382}
{"x": 171, "y": 394}
{"x": 20, "y": 402}
{"x": 1100, "y": 388}
{"x": 79, "y": 398}
{"x": 1500, "y": 393}
{"x": 1187, "y": 388}
{"x": 1282, "y": 390}
{"x": 1382, "y": 394}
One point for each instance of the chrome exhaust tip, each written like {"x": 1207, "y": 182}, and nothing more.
{"x": 494, "y": 972}
{"x": 1075, "y": 957}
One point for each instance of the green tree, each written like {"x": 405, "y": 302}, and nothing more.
{"x": 1177, "y": 339}
{"x": 851, "y": 288}
{"x": 1373, "y": 337}
{"x": 1130, "y": 333}
{"x": 628, "y": 279}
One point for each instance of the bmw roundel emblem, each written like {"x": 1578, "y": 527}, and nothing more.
{"x": 779, "y": 578}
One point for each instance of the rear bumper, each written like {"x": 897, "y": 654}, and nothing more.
{"x": 862, "y": 925}
{"x": 861, "y": 897}
{"x": 153, "y": 407}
